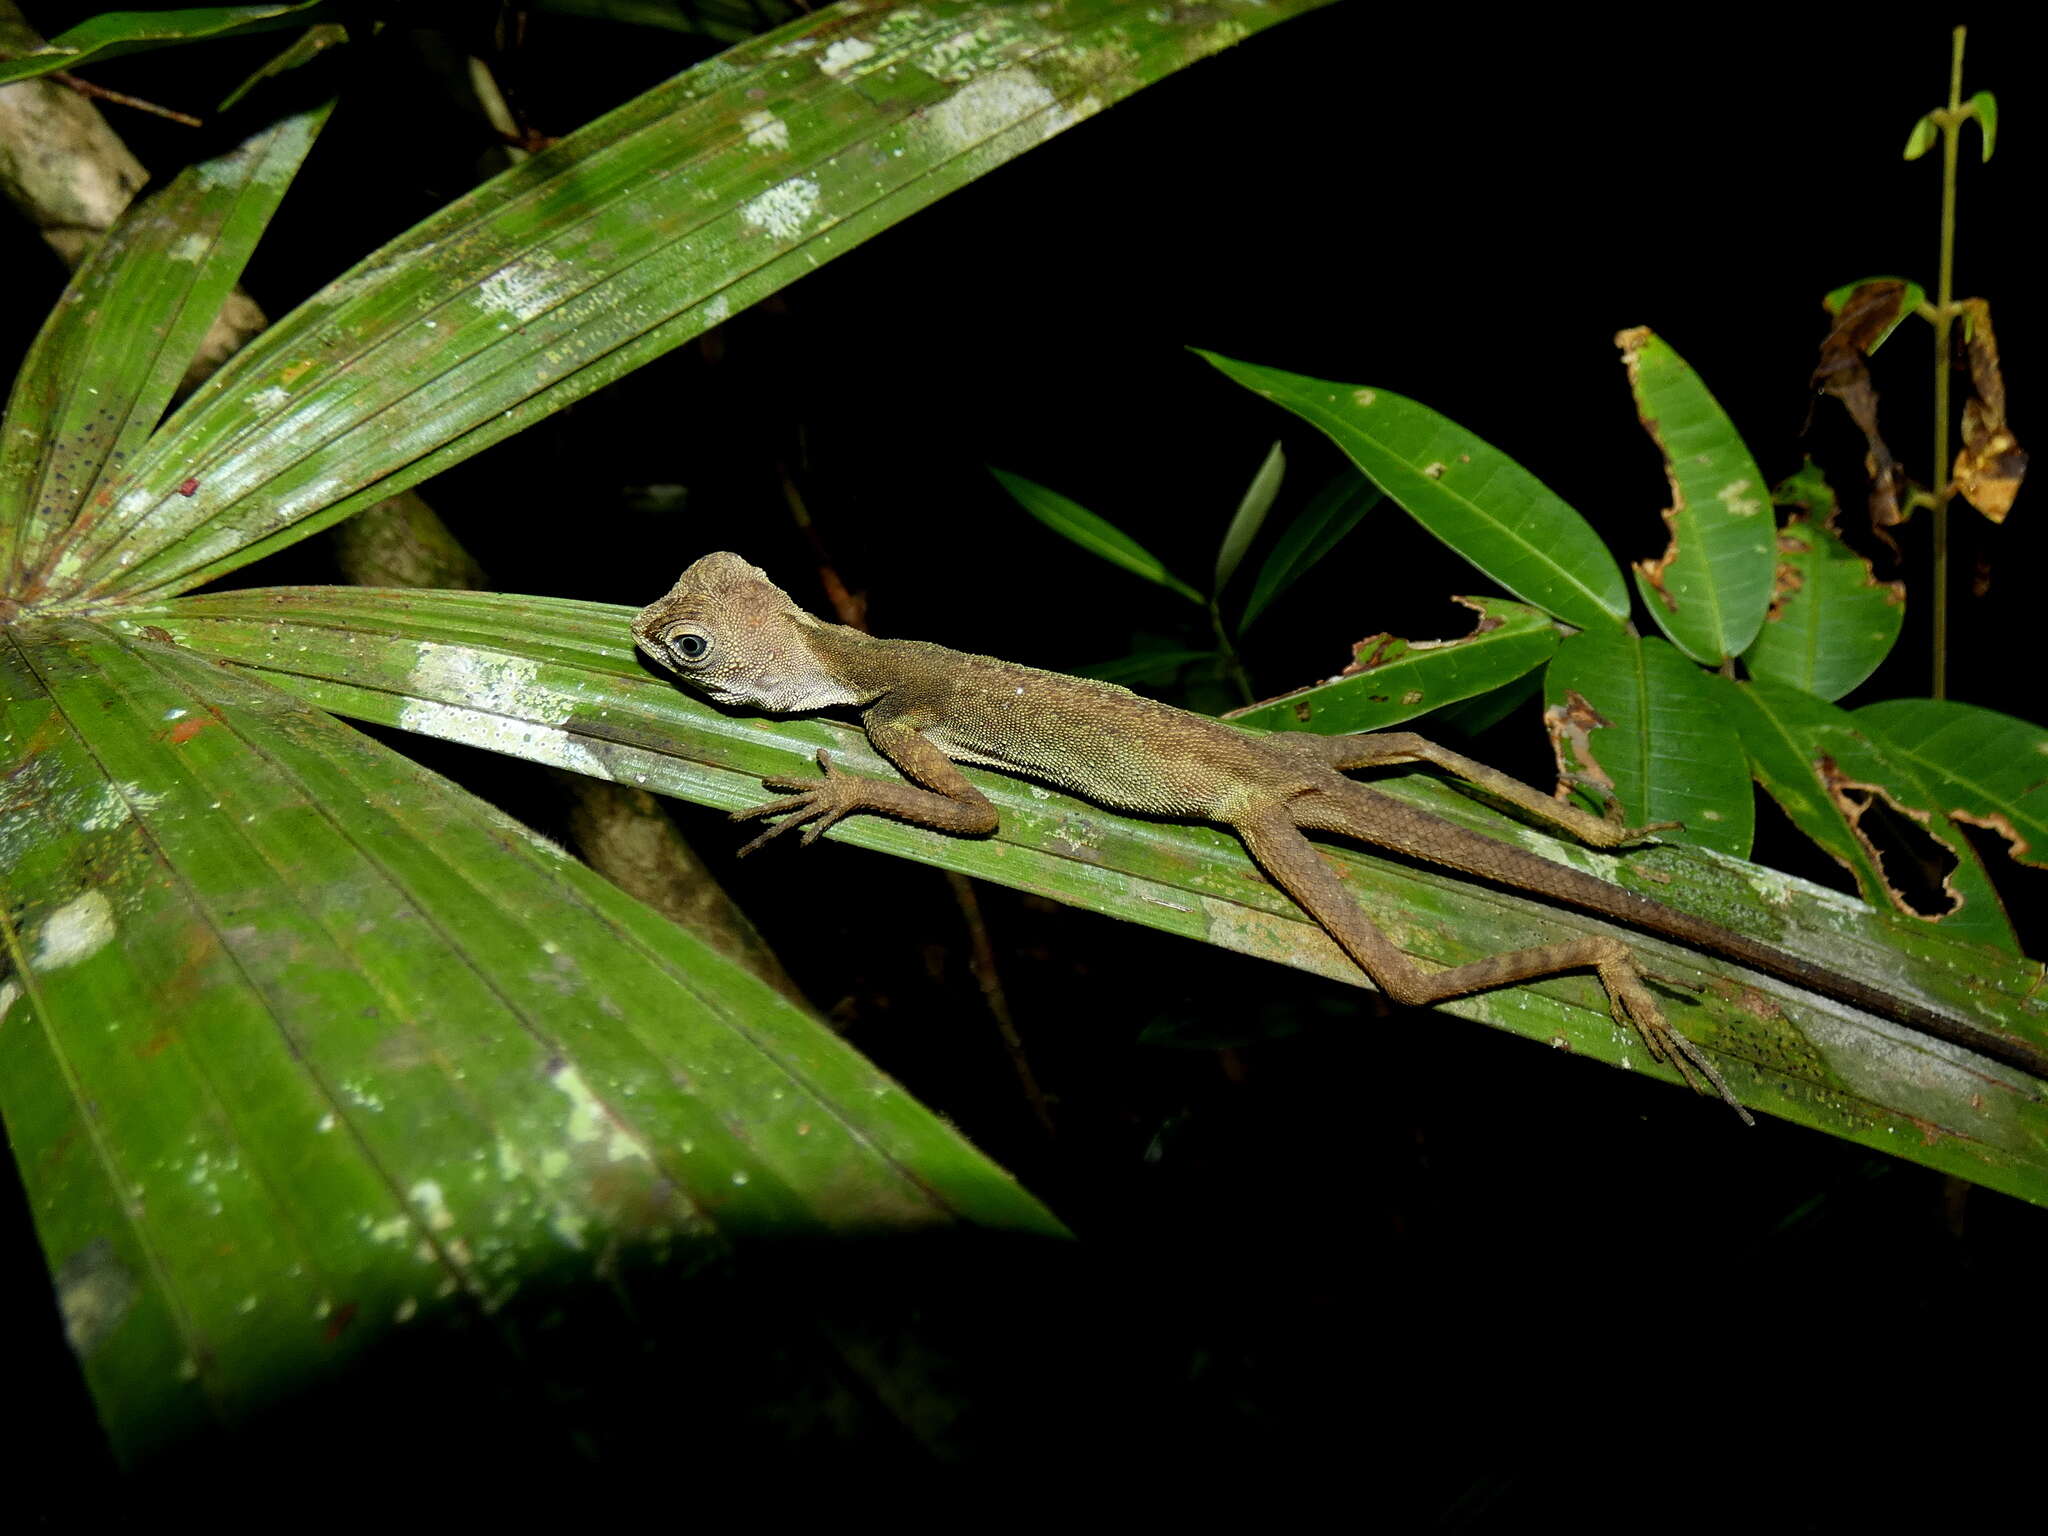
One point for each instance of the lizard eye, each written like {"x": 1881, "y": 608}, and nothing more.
{"x": 691, "y": 646}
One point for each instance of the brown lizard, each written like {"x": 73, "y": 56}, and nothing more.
{"x": 732, "y": 634}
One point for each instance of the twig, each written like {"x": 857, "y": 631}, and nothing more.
{"x": 122, "y": 99}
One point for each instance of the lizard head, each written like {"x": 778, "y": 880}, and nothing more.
{"x": 729, "y": 632}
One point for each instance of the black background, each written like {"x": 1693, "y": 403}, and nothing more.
{"x": 1472, "y": 1280}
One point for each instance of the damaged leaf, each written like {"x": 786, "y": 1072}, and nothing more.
{"x": 1709, "y": 589}
{"x": 1634, "y": 719}
{"x": 1985, "y": 768}
{"x": 1468, "y": 493}
{"x": 1868, "y": 806}
{"x": 1390, "y": 680}
{"x": 1864, "y": 315}
{"x": 1831, "y": 621}
{"x": 1991, "y": 464}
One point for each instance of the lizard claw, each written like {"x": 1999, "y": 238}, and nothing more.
{"x": 1632, "y": 1004}
{"x": 815, "y": 805}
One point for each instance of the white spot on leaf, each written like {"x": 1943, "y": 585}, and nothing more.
{"x": 765, "y": 130}
{"x": 530, "y": 286}
{"x": 76, "y": 931}
{"x": 844, "y": 54}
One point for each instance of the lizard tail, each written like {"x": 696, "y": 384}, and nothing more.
{"x": 1389, "y": 823}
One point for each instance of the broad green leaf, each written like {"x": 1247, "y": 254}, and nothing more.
{"x": 1666, "y": 749}
{"x": 1921, "y": 139}
{"x": 1471, "y": 495}
{"x": 113, "y": 351}
{"x": 1983, "y": 767}
{"x": 1251, "y": 516}
{"x": 1710, "y": 588}
{"x": 1831, "y": 621}
{"x": 555, "y": 681}
{"x": 1098, "y": 535}
{"x": 1390, "y": 680}
{"x": 1821, "y": 765}
{"x": 1985, "y": 106}
{"x": 1333, "y": 512}
{"x": 629, "y": 237}
{"x": 1911, "y": 297}
{"x": 303, "y": 1048}
{"x": 113, "y": 33}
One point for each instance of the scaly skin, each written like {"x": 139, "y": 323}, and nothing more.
{"x": 732, "y": 634}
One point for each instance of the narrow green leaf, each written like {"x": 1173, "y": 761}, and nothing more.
{"x": 627, "y": 238}
{"x": 1390, "y": 680}
{"x": 1666, "y": 750}
{"x": 1469, "y": 494}
{"x": 1921, "y": 139}
{"x": 1910, "y": 300}
{"x": 1710, "y": 588}
{"x": 331, "y": 1050}
{"x": 300, "y": 51}
{"x": 1816, "y": 759}
{"x": 1831, "y": 621}
{"x": 555, "y": 681}
{"x": 113, "y": 351}
{"x": 1333, "y": 512}
{"x": 113, "y": 33}
{"x": 1098, "y": 535}
{"x": 1984, "y": 107}
{"x": 1985, "y": 768}
{"x": 1251, "y": 516}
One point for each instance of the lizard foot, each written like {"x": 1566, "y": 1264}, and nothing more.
{"x": 815, "y": 804}
{"x": 1634, "y": 1006}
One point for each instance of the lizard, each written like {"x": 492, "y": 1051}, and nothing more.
{"x": 729, "y": 633}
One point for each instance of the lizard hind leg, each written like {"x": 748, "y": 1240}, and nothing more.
{"x": 1276, "y": 843}
{"x": 1386, "y": 749}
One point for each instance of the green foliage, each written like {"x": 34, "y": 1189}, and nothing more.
{"x": 114, "y": 33}
{"x": 1468, "y": 493}
{"x": 304, "y": 1047}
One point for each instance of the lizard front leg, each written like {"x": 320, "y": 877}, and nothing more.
{"x": 1292, "y": 862}
{"x": 948, "y": 803}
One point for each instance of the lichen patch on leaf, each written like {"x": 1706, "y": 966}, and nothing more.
{"x": 784, "y": 209}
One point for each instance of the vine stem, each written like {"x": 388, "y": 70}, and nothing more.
{"x": 1944, "y": 322}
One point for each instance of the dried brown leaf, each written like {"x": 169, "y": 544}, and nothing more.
{"x": 1844, "y": 372}
{"x": 1991, "y": 464}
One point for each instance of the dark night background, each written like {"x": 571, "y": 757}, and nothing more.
{"x": 1471, "y": 1281}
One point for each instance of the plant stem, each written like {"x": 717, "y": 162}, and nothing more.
{"x": 1232, "y": 662}
{"x": 1944, "y": 321}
